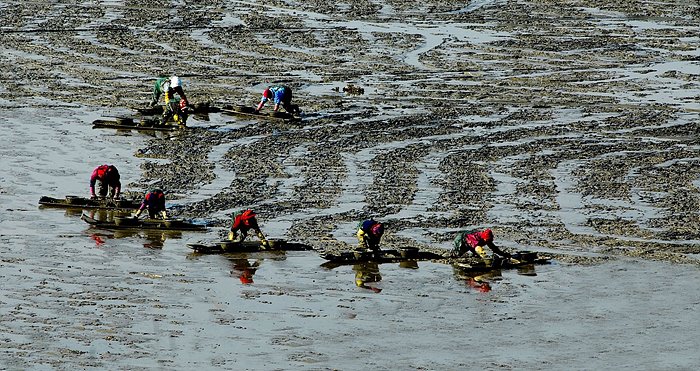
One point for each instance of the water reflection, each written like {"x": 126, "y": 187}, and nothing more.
{"x": 481, "y": 280}
{"x": 367, "y": 276}
{"x": 102, "y": 215}
{"x": 154, "y": 239}
{"x": 527, "y": 270}
{"x": 245, "y": 270}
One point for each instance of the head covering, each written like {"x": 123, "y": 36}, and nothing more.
{"x": 175, "y": 82}
{"x": 487, "y": 235}
{"x": 267, "y": 93}
{"x": 377, "y": 229}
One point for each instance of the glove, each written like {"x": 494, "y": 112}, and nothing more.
{"x": 137, "y": 214}
{"x": 164, "y": 214}
{"x": 231, "y": 235}
{"x": 265, "y": 244}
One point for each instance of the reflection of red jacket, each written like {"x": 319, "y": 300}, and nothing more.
{"x": 107, "y": 174}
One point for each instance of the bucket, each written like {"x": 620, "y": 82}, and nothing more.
{"x": 125, "y": 121}
{"x": 122, "y": 203}
{"x": 125, "y": 221}
{"x": 73, "y": 199}
{"x": 525, "y": 256}
{"x": 409, "y": 252}
{"x": 227, "y": 245}
{"x": 362, "y": 255}
{"x": 170, "y": 223}
{"x": 149, "y": 122}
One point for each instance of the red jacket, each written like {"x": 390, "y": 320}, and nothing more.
{"x": 107, "y": 174}
{"x": 244, "y": 221}
{"x": 154, "y": 201}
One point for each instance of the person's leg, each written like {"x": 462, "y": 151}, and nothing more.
{"x": 101, "y": 188}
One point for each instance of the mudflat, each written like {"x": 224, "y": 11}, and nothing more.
{"x": 567, "y": 128}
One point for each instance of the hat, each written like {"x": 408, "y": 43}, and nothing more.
{"x": 487, "y": 235}
{"x": 378, "y": 229}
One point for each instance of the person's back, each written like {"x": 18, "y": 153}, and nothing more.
{"x": 107, "y": 178}
{"x": 465, "y": 241}
{"x": 242, "y": 222}
{"x": 154, "y": 201}
{"x": 369, "y": 234}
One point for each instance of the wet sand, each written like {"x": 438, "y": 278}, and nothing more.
{"x": 568, "y": 129}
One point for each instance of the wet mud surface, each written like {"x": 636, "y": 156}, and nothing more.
{"x": 567, "y": 128}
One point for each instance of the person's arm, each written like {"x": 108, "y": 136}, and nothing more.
{"x": 236, "y": 224}
{"x": 458, "y": 247}
{"x": 93, "y": 179}
{"x": 161, "y": 206}
{"x": 365, "y": 238}
{"x": 261, "y": 104}
{"x": 256, "y": 227}
{"x": 140, "y": 210}
{"x": 261, "y": 236}
{"x": 117, "y": 188}
{"x": 181, "y": 93}
{"x": 498, "y": 251}
{"x": 156, "y": 94}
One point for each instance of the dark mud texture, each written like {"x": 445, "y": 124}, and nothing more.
{"x": 570, "y": 127}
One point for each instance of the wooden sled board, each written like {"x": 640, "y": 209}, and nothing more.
{"x": 192, "y": 110}
{"x": 111, "y": 124}
{"x": 521, "y": 258}
{"x": 385, "y": 256}
{"x": 76, "y": 202}
{"x": 129, "y": 223}
{"x": 250, "y": 112}
{"x": 228, "y": 247}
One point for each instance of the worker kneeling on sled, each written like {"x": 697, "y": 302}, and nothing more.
{"x": 281, "y": 96}
{"x": 106, "y": 178}
{"x": 154, "y": 201}
{"x": 369, "y": 234}
{"x": 243, "y": 221}
{"x": 475, "y": 241}
{"x": 177, "y": 110}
